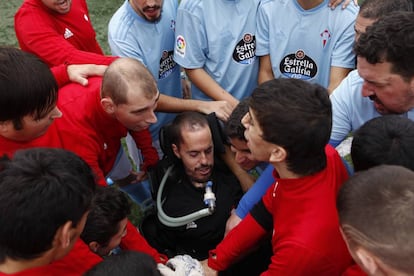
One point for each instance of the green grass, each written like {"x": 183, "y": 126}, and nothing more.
{"x": 100, "y": 12}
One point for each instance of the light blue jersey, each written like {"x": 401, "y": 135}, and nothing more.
{"x": 350, "y": 110}
{"x": 304, "y": 44}
{"x": 219, "y": 36}
{"x": 152, "y": 43}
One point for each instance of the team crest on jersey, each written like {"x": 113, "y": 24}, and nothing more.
{"x": 326, "y": 36}
{"x": 245, "y": 50}
{"x": 298, "y": 66}
{"x": 167, "y": 64}
{"x": 180, "y": 45}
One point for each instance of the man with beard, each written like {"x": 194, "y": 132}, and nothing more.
{"x": 384, "y": 80}
{"x": 144, "y": 30}
{"x": 185, "y": 192}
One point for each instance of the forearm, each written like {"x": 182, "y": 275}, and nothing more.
{"x": 337, "y": 74}
{"x": 265, "y": 69}
{"x": 256, "y": 192}
{"x": 236, "y": 244}
{"x": 209, "y": 86}
{"x": 175, "y": 105}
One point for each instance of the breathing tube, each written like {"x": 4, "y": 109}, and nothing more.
{"x": 209, "y": 200}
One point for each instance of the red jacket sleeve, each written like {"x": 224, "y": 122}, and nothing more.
{"x": 237, "y": 242}
{"x": 61, "y": 74}
{"x": 134, "y": 241}
{"x": 143, "y": 141}
{"x": 36, "y": 33}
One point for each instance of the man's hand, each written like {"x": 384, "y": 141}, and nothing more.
{"x": 222, "y": 108}
{"x": 334, "y": 3}
{"x": 232, "y": 222}
{"x": 79, "y": 73}
{"x": 208, "y": 271}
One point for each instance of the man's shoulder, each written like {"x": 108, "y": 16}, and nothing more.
{"x": 74, "y": 94}
{"x": 122, "y": 21}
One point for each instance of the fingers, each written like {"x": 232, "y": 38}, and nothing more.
{"x": 79, "y": 73}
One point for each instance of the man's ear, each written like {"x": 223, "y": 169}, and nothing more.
{"x": 278, "y": 154}
{"x": 108, "y": 105}
{"x": 63, "y": 235}
{"x": 367, "y": 261}
{"x": 175, "y": 150}
{"x": 93, "y": 246}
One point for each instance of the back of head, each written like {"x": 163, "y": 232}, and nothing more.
{"x": 109, "y": 207}
{"x": 374, "y": 9}
{"x": 384, "y": 140}
{"x": 127, "y": 263}
{"x": 127, "y": 74}
{"x": 376, "y": 213}
{"x": 390, "y": 39}
{"x": 27, "y": 86}
{"x": 233, "y": 126}
{"x": 297, "y": 116}
{"x": 40, "y": 190}
{"x": 191, "y": 121}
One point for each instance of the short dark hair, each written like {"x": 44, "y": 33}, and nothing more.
{"x": 27, "y": 86}
{"x": 384, "y": 140}
{"x": 233, "y": 126}
{"x": 40, "y": 190}
{"x": 374, "y": 9}
{"x": 297, "y": 116}
{"x": 376, "y": 213}
{"x": 190, "y": 120}
{"x": 109, "y": 207}
{"x": 127, "y": 263}
{"x": 387, "y": 41}
{"x": 122, "y": 75}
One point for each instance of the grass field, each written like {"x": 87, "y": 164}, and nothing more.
{"x": 100, "y": 12}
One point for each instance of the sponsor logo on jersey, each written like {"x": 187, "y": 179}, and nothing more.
{"x": 167, "y": 64}
{"x": 245, "y": 50}
{"x": 180, "y": 45}
{"x": 326, "y": 36}
{"x": 298, "y": 66}
{"x": 68, "y": 33}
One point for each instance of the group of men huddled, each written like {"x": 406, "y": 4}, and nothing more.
{"x": 273, "y": 197}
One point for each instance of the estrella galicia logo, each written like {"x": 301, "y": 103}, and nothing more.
{"x": 245, "y": 50}
{"x": 167, "y": 64}
{"x": 298, "y": 66}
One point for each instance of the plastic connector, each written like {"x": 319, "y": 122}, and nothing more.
{"x": 209, "y": 197}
